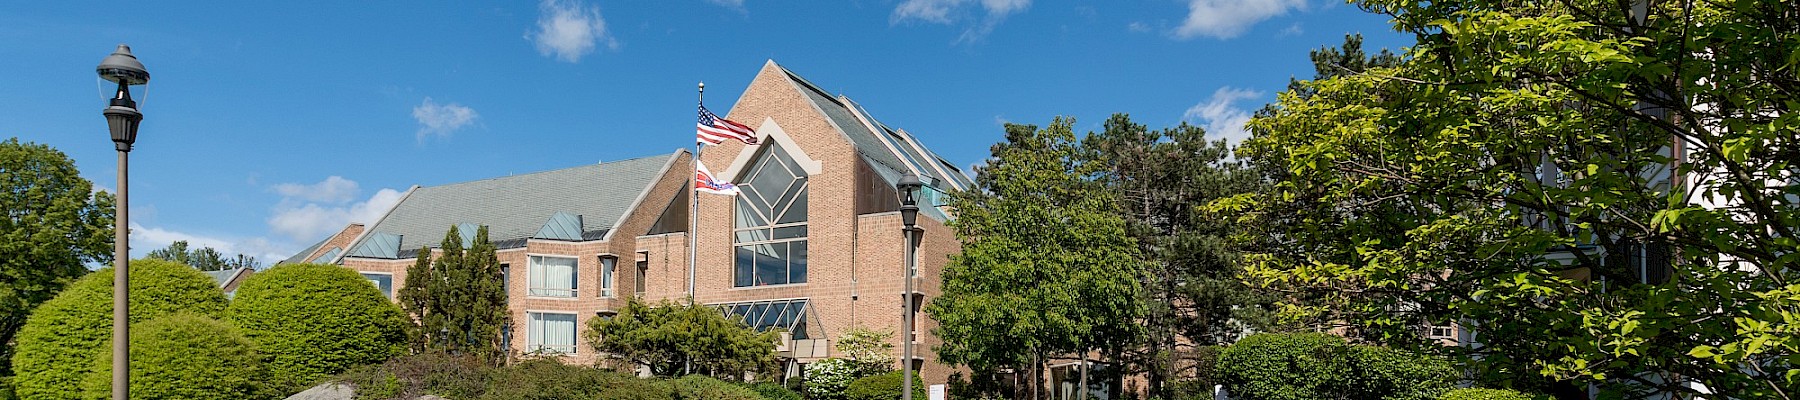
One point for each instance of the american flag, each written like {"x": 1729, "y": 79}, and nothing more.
{"x": 714, "y": 130}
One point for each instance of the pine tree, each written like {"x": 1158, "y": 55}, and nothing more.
{"x": 457, "y": 298}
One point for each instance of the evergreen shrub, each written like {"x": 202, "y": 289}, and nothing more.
{"x": 311, "y": 321}
{"x": 183, "y": 356}
{"x": 56, "y": 347}
{"x": 882, "y": 387}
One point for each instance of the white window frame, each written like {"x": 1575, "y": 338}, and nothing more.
{"x": 538, "y": 285}
{"x": 609, "y": 272}
{"x": 534, "y": 337}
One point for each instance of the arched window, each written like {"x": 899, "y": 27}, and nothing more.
{"x": 770, "y": 234}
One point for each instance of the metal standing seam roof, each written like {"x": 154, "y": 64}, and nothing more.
{"x": 516, "y": 207}
{"x": 301, "y": 256}
{"x": 884, "y": 150}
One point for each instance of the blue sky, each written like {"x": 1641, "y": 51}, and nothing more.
{"x": 268, "y": 126}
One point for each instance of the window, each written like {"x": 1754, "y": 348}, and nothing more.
{"x": 552, "y": 276}
{"x": 770, "y": 234}
{"x": 550, "y": 333}
{"x": 606, "y": 275}
{"x": 1441, "y": 332}
{"x": 789, "y": 315}
{"x": 643, "y": 272}
{"x": 384, "y": 282}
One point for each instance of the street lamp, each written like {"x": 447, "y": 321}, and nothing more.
{"x": 909, "y": 188}
{"x": 122, "y": 118}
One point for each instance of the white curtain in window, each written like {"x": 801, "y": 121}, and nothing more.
{"x": 606, "y": 275}
{"x": 553, "y": 276}
{"x": 551, "y": 332}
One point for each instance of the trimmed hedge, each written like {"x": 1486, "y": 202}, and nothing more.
{"x": 182, "y": 356}
{"x": 551, "y": 379}
{"x": 702, "y": 387}
{"x": 1484, "y": 394}
{"x": 1309, "y": 366}
{"x": 311, "y": 321}
{"x": 775, "y": 391}
{"x": 435, "y": 373}
{"x": 882, "y": 387}
{"x": 57, "y": 345}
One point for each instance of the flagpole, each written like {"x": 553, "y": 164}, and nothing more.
{"x": 694, "y": 205}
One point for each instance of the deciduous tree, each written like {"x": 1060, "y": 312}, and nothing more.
{"x": 1521, "y": 171}
{"x": 1046, "y": 267}
{"x": 55, "y": 225}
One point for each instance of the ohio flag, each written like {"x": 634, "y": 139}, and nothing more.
{"x": 704, "y": 182}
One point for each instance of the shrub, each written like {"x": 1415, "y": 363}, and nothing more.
{"x": 702, "y": 387}
{"x": 6, "y": 392}
{"x": 56, "y": 347}
{"x": 882, "y": 387}
{"x": 1484, "y": 394}
{"x": 871, "y": 351}
{"x": 829, "y": 378}
{"x": 670, "y": 337}
{"x": 551, "y": 379}
{"x": 435, "y": 373}
{"x": 1305, "y": 366}
{"x": 311, "y": 321}
{"x": 182, "y": 356}
{"x": 775, "y": 391}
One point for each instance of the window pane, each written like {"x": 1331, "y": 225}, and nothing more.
{"x": 771, "y": 264}
{"x": 793, "y": 206}
{"x": 752, "y": 235}
{"x": 756, "y": 312}
{"x": 606, "y": 275}
{"x": 797, "y": 262}
{"x": 788, "y": 232}
{"x": 744, "y": 273}
{"x": 747, "y": 214}
{"x": 774, "y": 314}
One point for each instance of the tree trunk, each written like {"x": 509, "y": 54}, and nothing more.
{"x": 1083, "y": 389}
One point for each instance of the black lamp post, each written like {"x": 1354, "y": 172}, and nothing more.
{"x": 122, "y": 119}
{"x": 909, "y": 188}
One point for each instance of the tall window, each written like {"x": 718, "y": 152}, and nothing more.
{"x": 643, "y": 272}
{"x": 550, "y": 333}
{"x": 552, "y": 276}
{"x": 770, "y": 234}
{"x": 606, "y": 275}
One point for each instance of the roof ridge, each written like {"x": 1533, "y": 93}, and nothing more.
{"x": 547, "y": 171}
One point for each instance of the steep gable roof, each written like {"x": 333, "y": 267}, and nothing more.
{"x": 515, "y": 208}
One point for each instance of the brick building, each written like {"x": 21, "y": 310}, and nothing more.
{"x": 813, "y": 246}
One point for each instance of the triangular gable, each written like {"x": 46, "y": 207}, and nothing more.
{"x": 560, "y": 226}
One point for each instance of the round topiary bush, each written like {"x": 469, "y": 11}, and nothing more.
{"x": 1483, "y": 394}
{"x": 56, "y": 347}
{"x": 882, "y": 387}
{"x": 775, "y": 391}
{"x": 182, "y": 356}
{"x": 311, "y": 321}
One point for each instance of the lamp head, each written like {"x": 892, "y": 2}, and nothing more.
{"x": 908, "y": 189}
{"x": 123, "y": 68}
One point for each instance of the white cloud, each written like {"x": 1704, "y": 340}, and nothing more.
{"x": 732, "y": 4}
{"x": 146, "y": 239}
{"x": 305, "y": 221}
{"x": 1138, "y": 27}
{"x": 950, "y": 11}
{"x": 1221, "y": 115}
{"x": 1225, "y": 19}
{"x": 1291, "y": 30}
{"x": 334, "y": 189}
{"x": 436, "y": 119}
{"x": 569, "y": 29}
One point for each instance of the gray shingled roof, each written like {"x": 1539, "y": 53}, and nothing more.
{"x": 516, "y": 207}
{"x": 301, "y": 256}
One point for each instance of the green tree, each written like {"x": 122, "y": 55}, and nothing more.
{"x": 871, "y": 350}
{"x": 676, "y": 339}
{"x": 56, "y": 226}
{"x": 1161, "y": 179}
{"x": 58, "y": 343}
{"x": 1515, "y": 169}
{"x": 183, "y": 356}
{"x": 310, "y": 321}
{"x": 457, "y": 298}
{"x": 1046, "y": 267}
{"x": 204, "y": 258}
